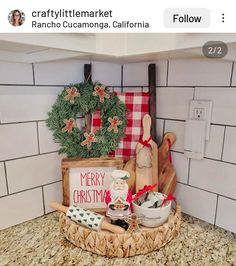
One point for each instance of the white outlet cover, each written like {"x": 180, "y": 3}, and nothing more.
{"x": 207, "y": 106}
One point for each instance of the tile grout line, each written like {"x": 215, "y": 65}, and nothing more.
{"x": 189, "y": 164}
{"x": 223, "y": 144}
{"x": 231, "y": 76}
{"x": 24, "y": 190}
{"x": 118, "y": 86}
{"x": 163, "y": 130}
{"x": 183, "y": 120}
{"x": 33, "y": 73}
{"x": 30, "y": 121}
{"x": 5, "y": 170}
{"x": 207, "y": 158}
{"x": 170, "y": 119}
{"x": 37, "y": 131}
{"x": 211, "y": 192}
{"x": 22, "y": 122}
{"x": 216, "y": 209}
{"x": 167, "y": 73}
{"x": 28, "y": 156}
{"x": 43, "y": 201}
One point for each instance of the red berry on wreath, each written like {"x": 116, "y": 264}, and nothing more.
{"x": 115, "y": 122}
{"x": 72, "y": 92}
{"x": 90, "y": 138}
{"x": 70, "y": 124}
{"x": 100, "y": 91}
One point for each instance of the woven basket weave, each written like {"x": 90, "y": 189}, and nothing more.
{"x": 121, "y": 245}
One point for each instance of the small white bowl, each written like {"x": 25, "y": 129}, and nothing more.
{"x": 153, "y": 217}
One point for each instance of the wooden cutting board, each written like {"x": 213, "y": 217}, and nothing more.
{"x": 146, "y": 158}
{"x": 130, "y": 167}
{"x": 167, "y": 174}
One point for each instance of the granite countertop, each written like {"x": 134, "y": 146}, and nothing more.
{"x": 39, "y": 242}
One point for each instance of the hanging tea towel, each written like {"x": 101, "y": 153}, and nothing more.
{"x": 138, "y": 105}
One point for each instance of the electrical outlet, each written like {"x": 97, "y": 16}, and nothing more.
{"x": 199, "y": 113}
{"x": 201, "y": 110}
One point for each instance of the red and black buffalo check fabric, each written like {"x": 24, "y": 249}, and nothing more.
{"x": 138, "y": 105}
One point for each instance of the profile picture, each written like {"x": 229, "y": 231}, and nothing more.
{"x": 16, "y": 17}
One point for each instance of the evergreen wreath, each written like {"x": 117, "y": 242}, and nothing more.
{"x": 81, "y": 99}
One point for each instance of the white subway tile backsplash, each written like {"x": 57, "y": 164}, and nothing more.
{"x": 46, "y": 142}
{"x": 196, "y": 202}
{"x": 16, "y": 73}
{"x": 173, "y": 102}
{"x": 176, "y": 127}
{"x": 159, "y": 130}
{"x": 136, "y": 74}
{"x": 107, "y": 73}
{"x": 3, "y": 184}
{"x": 229, "y": 152}
{"x": 31, "y": 103}
{"x": 214, "y": 176}
{"x": 214, "y": 145}
{"x": 161, "y": 72}
{"x": 26, "y": 103}
{"x": 52, "y": 192}
{"x": 181, "y": 165}
{"x": 234, "y": 76}
{"x": 226, "y": 214}
{"x": 223, "y": 111}
{"x": 60, "y": 72}
{"x": 33, "y": 171}
{"x": 21, "y": 207}
{"x": 199, "y": 73}
{"x": 18, "y": 140}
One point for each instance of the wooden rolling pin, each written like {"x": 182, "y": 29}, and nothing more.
{"x": 146, "y": 158}
{"x": 87, "y": 218}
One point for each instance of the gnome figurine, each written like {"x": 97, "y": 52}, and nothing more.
{"x": 119, "y": 198}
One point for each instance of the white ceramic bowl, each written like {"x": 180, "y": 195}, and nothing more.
{"x": 153, "y": 217}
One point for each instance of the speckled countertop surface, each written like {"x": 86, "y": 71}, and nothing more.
{"x": 39, "y": 242}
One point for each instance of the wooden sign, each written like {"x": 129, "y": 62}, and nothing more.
{"x": 85, "y": 181}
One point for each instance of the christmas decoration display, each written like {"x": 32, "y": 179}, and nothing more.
{"x": 134, "y": 208}
{"x": 84, "y": 99}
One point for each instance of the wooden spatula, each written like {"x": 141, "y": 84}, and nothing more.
{"x": 146, "y": 158}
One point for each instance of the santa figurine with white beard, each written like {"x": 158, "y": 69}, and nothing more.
{"x": 118, "y": 197}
